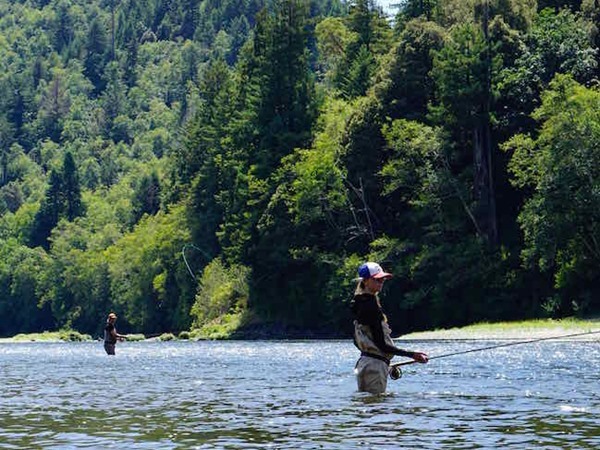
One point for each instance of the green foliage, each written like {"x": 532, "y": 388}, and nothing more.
{"x": 19, "y": 269}
{"x": 48, "y": 336}
{"x": 135, "y": 337}
{"x": 459, "y": 71}
{"x": 222, "y": 327}
{"x": 73, "y": 336}
{"x": 134, "y": 263}
{"x": 63, "y": 199}
{"x": 221, "y": 290}
{"x": 167, "y": 337}
{"x": 305, "y": 222}
{"x": 560, "y": 170}
{"x": 403, "y": 82}
{"x": 49, "y": 213}
{"x": 417, "y": 8}
{"x": 285, "y": 111}
{"x": 557, "y": 43}
{"x": 97, "y": 52}
{"x": 184, "y": 335}
{"x": 284, "y": 142}
{"x": 333, "y": 41}
{"x": 146, "y": 198}
{"x": 316, "y": 190}
{"x": 418, "y": 174}
{"x": 416, "y": 169}
{"x": 369, "y": 37}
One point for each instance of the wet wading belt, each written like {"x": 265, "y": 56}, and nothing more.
{"x": 379, "y": 357}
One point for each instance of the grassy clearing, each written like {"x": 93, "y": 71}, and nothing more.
{"x": 50, "y": 336}
{"x": 527, "y": 329}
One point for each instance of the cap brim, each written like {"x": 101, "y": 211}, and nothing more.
{"x": 383, "y": 275}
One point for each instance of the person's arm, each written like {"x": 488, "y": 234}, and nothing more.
{"x": 117, "y": 335}
{"x": 379, "y": 340}
{"x": 373, "y": 316}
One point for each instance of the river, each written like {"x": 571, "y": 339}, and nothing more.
{"x": 296, "y": 395}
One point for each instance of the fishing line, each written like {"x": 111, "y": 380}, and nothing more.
{"x": 208, "y": 258}
{"x": 396, "y": 372}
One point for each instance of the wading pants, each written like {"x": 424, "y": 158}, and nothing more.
{"x": 371, "y": 375}
{"x": 110, "y": 348}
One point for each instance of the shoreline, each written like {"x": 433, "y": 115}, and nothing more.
{"x": 524, "y": 330}
{"x": 521, "y": 330}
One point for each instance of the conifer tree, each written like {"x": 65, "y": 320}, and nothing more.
{"x": 62, "y": 200}
{"x": 146, "y": 199}
{"x": 49, "y": 213}
{"x": 53, "y": 108}
{"x": 371, "y": 33}
{"x": 63, "y": 26}
{"x": 96, "y": 49}
{"x": 285, "y": 108}
{"x": 71, "y": 189}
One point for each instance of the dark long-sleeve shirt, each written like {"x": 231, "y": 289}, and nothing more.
{"x": 109, "y": 337}
{"x": 368, "y": 312}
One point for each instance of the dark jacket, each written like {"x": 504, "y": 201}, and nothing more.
{"x": 367, "y": 312}
{"x": 108, "y": 335}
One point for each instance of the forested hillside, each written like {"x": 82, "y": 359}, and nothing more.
{"x": 227, "y": 164}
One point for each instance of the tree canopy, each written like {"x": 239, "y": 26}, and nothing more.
{"x": 196, "y": 165}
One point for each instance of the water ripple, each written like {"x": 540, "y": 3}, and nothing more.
{"x": 294, "y": 395}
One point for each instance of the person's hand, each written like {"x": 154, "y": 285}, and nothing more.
{"x": 420, "y": 357}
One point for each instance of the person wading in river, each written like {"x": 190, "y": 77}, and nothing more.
{"x": 110, "y": 334}
{"x": 372, "y": 335}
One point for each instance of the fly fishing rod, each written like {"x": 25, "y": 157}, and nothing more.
{"x": 396, "y": 373}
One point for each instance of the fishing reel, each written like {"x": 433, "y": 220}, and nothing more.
{"x": 395, "y": 372}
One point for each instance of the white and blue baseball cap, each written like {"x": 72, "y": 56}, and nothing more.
{"x": 372, "y": 270}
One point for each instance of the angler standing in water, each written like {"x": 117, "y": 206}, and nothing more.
{"x": 110, "y": 334}
{"x": 372, "y": 335}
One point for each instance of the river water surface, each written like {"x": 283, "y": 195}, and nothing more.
{"x": 296, "y": 395}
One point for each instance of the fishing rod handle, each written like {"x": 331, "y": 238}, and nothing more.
{"x": 404, "y": 363}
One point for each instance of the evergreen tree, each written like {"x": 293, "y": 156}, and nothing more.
{"x": 49, "y": 213}
{"x": 403, "y": 84}
{"x": 462, "y": 73}
{"x": 146, "y": 197}
{"x": 416, "y": 8}
{"x": 114, "y": 101}
{"x": 96, "y": 50}
{"x": 62, "y": 200}
{"x": 53, "y": 108}
{"x": 372, "y": 38}
{"x": 71, "y": 189}
{"x": 285, "y": 112}
{"x": 63, "y": 26}
{"x": 189, "y": 21}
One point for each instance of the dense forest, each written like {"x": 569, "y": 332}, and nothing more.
{"x": 227, "y": 164}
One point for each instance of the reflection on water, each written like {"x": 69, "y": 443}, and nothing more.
{"x": 295, "y": 395}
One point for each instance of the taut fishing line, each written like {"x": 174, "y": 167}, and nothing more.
{"x": 396, "y": 372}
